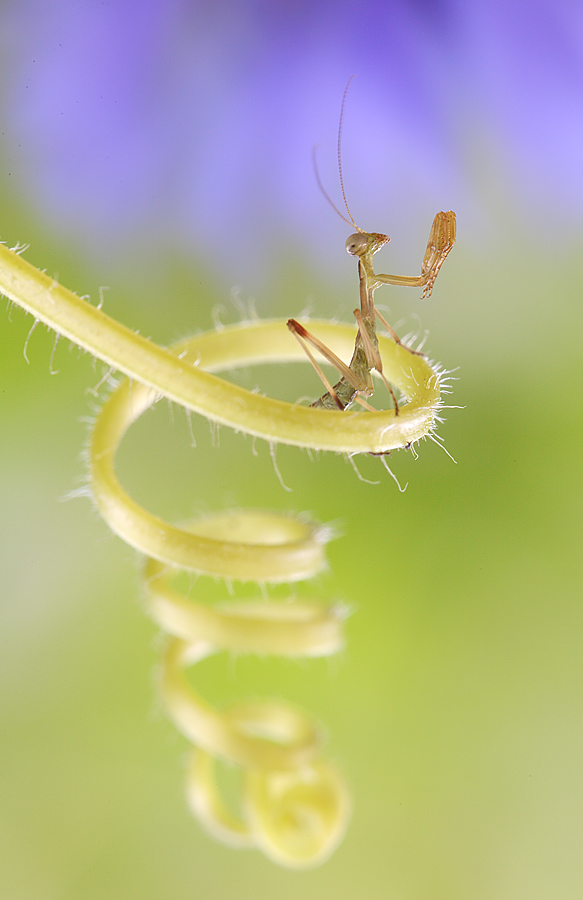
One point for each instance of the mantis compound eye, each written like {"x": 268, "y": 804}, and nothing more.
{"x": 357, "y": 243}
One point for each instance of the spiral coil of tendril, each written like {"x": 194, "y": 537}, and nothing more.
{"x": 295, "y": 805}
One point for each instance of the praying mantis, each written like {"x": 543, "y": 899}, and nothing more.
{"x": 356, "y": 381}
{"x": 356, "y": 378}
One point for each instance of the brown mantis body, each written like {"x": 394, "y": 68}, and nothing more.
{"x": 356, "y": 381}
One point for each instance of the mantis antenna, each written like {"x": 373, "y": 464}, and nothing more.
{"x": 349, "y": 220}
{"x": 340, "y": 128}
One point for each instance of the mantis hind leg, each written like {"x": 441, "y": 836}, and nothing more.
{"x": 353, "y": 385}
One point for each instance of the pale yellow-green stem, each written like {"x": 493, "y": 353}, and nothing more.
{"x": 189, "y": 381}
{"x": 295, "y": 805}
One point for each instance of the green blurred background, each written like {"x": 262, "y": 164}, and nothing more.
{"x": 456, "y": 710}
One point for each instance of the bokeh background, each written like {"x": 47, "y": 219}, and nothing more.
{"x": 160, "y": 154}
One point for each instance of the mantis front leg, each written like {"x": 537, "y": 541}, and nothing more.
{"x": 441, "y": 240}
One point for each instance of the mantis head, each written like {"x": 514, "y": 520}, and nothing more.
{"x": 364, "y": 244}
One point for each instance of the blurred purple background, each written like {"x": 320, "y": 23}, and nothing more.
{"x": 192, "y": 124}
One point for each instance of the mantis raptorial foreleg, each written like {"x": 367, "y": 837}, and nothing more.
{"x": 441, "y": 240}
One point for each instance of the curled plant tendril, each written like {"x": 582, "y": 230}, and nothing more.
{"x": 295, "y": 805}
